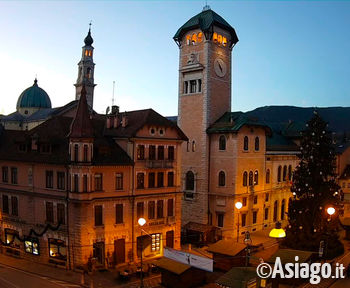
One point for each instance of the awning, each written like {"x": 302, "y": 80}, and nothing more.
{"x": 288, "y": 256}
{"x": 226, "y": 247}
{"x": 199, "y": 227}
{"x": 237, "y": 276}
{"x": 171, "y": 265}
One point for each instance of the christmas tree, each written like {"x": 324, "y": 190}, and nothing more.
{"x": 314, "y": 191}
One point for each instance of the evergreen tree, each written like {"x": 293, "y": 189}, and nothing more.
{"x": 314, "y": 190}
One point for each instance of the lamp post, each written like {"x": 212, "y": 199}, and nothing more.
{"x": 277, "y": 232}
{"x": 330, "y": 212}
{"x": 238, "y": 206}
{"x": 141, "y": 222}
{"x": 247, "y": 242}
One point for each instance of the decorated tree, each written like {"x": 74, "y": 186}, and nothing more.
{"x": 314, "y": 190}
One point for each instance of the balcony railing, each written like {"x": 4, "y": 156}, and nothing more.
{"x": 159, "y": 164}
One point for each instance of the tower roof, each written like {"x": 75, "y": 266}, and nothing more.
{"x": 88, "y": 39}
{"x": 34, "y": 96}
{"x": 205, "y": 21}
{"x": 81, "y": 126}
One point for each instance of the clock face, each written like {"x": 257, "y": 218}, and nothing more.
{"x": 220, "y": 67}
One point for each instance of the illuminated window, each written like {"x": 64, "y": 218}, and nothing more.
{"x": 256, "y": 178}
{"x": 215, "y": 38}
{"x": 219, "y": 39}
{"x": 155, "y": 242}
{"x": 224, "y": 41}
{"x": 90, "y": 53}
{"x": 86, "y": 53}
{"x": 31, "y": 245}
{"x": 194, "y": 39}
{"x": 140, "y": 152}
{"x": 11, "y": 238}
{"x": 200, "y": 37}
{"x": 58, "y": 249}
{"x": 188, "y": 39}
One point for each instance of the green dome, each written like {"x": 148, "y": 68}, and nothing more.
{"x": 34, "y": 97}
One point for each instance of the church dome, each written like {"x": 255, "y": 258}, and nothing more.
{"x": 34, "y": 96}
{"x": 88, "y": 39}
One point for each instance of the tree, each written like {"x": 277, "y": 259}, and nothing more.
{"x": 314, "y": 190}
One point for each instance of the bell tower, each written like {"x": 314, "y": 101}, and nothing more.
{"x": 86, "y": 68}
{"x": 205, "y": 43}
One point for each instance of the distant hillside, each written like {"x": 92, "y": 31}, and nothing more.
{"x": 337, "y": 117}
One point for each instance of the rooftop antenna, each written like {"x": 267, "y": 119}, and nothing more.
{"x": 206, "y": 7}
{"x": 113, "y": 94}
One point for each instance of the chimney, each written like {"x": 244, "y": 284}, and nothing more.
{"x": 125, "y": 120}
{"x": 108, "y": 122}
{"x": 35, "y": 138}
{"x": 115, "y": 110}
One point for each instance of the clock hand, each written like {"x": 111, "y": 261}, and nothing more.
{"x": 220, "y": 67}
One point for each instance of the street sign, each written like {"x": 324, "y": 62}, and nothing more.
{"x": 321, "y": 249}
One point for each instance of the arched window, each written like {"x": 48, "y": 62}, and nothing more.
{"x": 279, "y": 174}
{"x": 245, "y": 178}
{"x": 193, "y": 146}
{"x": 219, "y": 39}
{"x": 290, "y": 172}
{"x": 188, "y": 39}
{"x": 215, "y": 37}
{"x": 256, "y": 177}
{"x": 224, "y": 41}
{"x": 268, "y": 176}
{"x": 194, "y": 39}
{"x": 200, "y": 37}
{"x": 222, "y": 178}
{"x": 222, "y": 142}
{"x": 275, "y": 211}
{"x": 256, "y": 144}
{"x": 282, "y": 209}
{"x": 251, "y": 178}
{"x": 189, "y": 181}
{"x": 88, "y": 72}
{"x": 284, "y": 173}
{"x": 245, "y": 144}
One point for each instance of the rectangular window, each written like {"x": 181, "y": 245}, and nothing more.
{"x": 199, "y": 85}
{"x": 160, "y": 152}
{"x": 160, "y": 179}
{"x": 267, "y": 197}
{"x": 244, "y": 201}
{"x": 85, "y": 153}
{"x": 155, "y": 245}
{"x": 61, "y": 214}
{"x": 11, "y": 239}
{"x": 22, "y": 147}
{"x": 119, "y": 213}
{"x": 31, "y": 245}
{"x": 49, "y": 212}
{"x": 256, "y": 199}
{"x": 140, "y": 211}
{"x": 266, "y": 216}
{"x": 170, "y": 207}
{"x": 85, "y": 183}
{"x": 193, "y": 85}
{"x": 171, "y": 153}
{"x": 152, "y": 152}
{"x": 98, "y": 215}
{"x": 140, "y": 152}
{"x": 49, "y": 179}
{"x": 5, "y": 174}
{"x": 58, "y": 249}
{"x": 171, "y": 179}
{"x": 220, "y": 219}
{"x": 151, "y": 210}
{"x": 119, "y": 181}
{"x": 76, "y": 182}
{"x": 5, "y": 204}
{"x": 76, "y": 152}
{"x": 151, "y": 180}
{"x": 140, "y": 181}
{"x": 60, "y": 180}
{"x": 255, "y": 215}
{"x": 14, "y": 175}
{"x": 14, "y": 205}
{"x": 160, "y": 213}
{"x": 244, "y": 217}
{"x": 45, "y": 148}
{"x": 98, "y": 182}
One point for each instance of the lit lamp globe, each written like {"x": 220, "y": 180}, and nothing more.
{"x": 277, "y": 232}
{"x": 239, "y": 205}
{"x": 142, "y": 221}
{"x": 330, "y": 211}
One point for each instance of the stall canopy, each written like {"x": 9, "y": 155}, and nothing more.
{"x": 288, "y": 256}
{"x": 171, "y": 265}
{"x": 224, "y": 247}
{"x": 239, "y": 277}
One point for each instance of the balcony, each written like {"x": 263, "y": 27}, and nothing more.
{"x": 159, "y": 164}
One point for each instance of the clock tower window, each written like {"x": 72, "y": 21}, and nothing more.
{"x": 194, "y": 39}
{"x": 193, "y": 86}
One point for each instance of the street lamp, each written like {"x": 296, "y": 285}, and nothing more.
{"x": 247, "y": 241}
{"x": 277, "y": 232}
{"x": 141, "y": 222}
{"x": 238, "y": 205}
{"x": 330, "y": 212}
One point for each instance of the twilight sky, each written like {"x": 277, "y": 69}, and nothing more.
{"x": 289, "y": 53}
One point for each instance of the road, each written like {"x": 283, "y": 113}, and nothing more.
{"x": 12, "y": 278}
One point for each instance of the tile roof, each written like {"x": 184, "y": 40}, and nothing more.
{"x": 341, "y": 147}
{"x": 194, "y": 226}
{"x": 346, "y": 173}
{"x": 227, "y": 247}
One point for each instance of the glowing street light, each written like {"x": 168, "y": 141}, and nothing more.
{"x": 277, "y": 232}
{"x": 330, "y": 211}
{"x": 238, "y": 205}
{"x": 141, "y": 222}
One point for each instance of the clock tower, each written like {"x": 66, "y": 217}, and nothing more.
{"x": 205, "y": 43}
{"x": 86, "y": 68}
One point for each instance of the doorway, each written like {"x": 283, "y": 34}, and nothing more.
{"x": 170, "y": 239}
{"x": 119, "y": 251}
{"x": 99, "y": 253}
